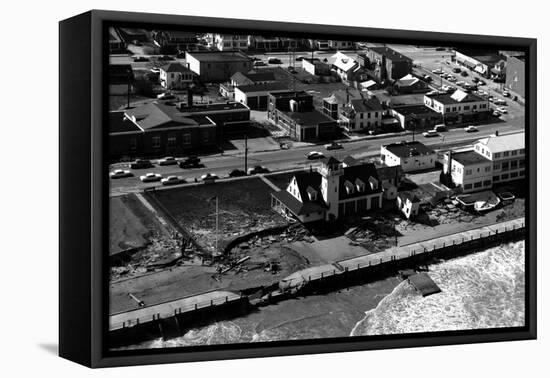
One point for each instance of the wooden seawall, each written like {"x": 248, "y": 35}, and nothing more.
{"x": 172, "y": 319}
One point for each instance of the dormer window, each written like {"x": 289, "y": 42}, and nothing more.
{"x": 312, "y": 193}
{"x": 373, "y": 183}
{"x": 349, "y": 187}
{"x": 360, "y": 185}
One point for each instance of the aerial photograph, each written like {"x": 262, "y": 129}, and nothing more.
{"x": 266, "y": 188}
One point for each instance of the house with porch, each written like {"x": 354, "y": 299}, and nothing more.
{"x": 331, "y": 192}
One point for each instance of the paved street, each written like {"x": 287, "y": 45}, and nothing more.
{"x": 295, "y": 157}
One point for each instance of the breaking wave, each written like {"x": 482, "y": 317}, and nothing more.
{"x": 483, "y": 290}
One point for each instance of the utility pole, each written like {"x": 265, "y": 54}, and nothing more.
{"x": 246, "y": 152}
{"x": 129, "y": 74}
{"x": 217, "y": 223}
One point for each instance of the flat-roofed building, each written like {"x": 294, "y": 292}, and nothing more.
{"x": 255, "y": 96}
{"x": 515, "y": 76}
{"x": 411, "y": 156}
{"x": 217, "y": 66}
{"x": 415, "y": 117}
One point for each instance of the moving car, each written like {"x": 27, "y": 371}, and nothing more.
{"x": 165, "y": 58}
{"x": 169, "y": 160}
{"x": 470, "y": 129}
{"x": 496, "y": 113}
{"x": 506, "y": 93}
{"x": 499, "y": 101}
{"x": 150, "y": 177}
{"x": 427, "y": 78}
{"x": 430, "y": 133}
{"x": 257, "y": 170}
{"x": 334, "y": 146}
{"x": 502, "y": 110}
{"x": 259, "y": 64}
{"x": 237, "y": 173}
{"x": 437, "y": 71}
{"x": 464, "y": 73}
{"x": 172, "y": 180}
{"x": 120, "y": 173}
{"x": 314, "y": 155}
{"x": 439, "y": 128}
{"x": 140, "y": 164}
{"x": 274, "y": 61}
{"x": 456, "y": 70}
{"x": 190, "y": 162}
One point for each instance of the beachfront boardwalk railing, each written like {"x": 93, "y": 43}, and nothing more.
{"x": 401, "y": 252}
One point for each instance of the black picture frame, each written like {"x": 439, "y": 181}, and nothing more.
{"x": 83, "y": 189}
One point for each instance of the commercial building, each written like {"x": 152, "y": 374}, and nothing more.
{"x": 294, "y": 112}
{"x": 410, "y": 156}
{"x": 384, "y": 63}
{"x": 158, "y": 128}
{"x": 458, "y": 107}
{"x": 493, "y": 160}
{"x": 333, "y": 104}
{"x": 241, "y": 79}
{"x": 263, "y": 43}
{"x": 361, "y": 114}
{"x": 489, "y": 64}
{"x": 256, "y": 96}
{"x": 217, "y": 66}
{"x": 315, "y": 66}
{"x": 410, "y": 84}
{"x": 175, "y": 76}
{"x": 334, "y": 191}
{"x": 415, "y": 117}
{"x": 228, "y": 42}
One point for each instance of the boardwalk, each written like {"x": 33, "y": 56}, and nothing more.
{"x": 169, "y": 309}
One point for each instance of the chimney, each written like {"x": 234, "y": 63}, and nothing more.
{"x": 449, "y": 161}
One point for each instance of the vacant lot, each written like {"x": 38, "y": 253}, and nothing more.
{"x": 244, "y": 206}
{"x": 127, "y": 230}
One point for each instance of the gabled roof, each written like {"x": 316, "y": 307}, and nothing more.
{"x": 408, "y": 196}
{"x": 155, "y": 115}
{"x": 407, "y": 81}
{"x": 219, "y": 56}
{"x": 252, "y": 77}
{"x": 341, "y": 96}
{"x": 364, "y": 172}
{"x": 390, "y": 53}
{"x": 350, "y": 160}
{"x": 503, "y": 143}
{"x": 118, "y": 123}
{"x": 458, "y": 97}
{"x": 306, "y": 181}
{"x": 175, "y": 67}
{"x": 389, "y": 173}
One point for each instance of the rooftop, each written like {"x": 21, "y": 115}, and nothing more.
{"x": 153, "y": 115}
{"x": 219, "y": 56}
{"x": 309, "y": 118}
{"x": 407, "y": 149}
{"x": 483, "y": 56}
{"x": 502, "y": 143}
{"x": 407, "y": 110}
{"x": 118, "y": 123}
{"x": 175, "y": 67}
{"x": 267, "y": 87}
{"x": 458, "y": 97}
{"x": 366, "y": 105}
{"x": 390, "y": 53}
{"x": 201, "y": 108}
{"x": 469, "y": 158}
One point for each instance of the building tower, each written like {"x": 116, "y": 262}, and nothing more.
{"x": 331, "y": 171}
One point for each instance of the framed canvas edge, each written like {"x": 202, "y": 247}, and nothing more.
{"x": 98, "y": 355}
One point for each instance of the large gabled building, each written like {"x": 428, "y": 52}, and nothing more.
{"x": 332, "y": 192}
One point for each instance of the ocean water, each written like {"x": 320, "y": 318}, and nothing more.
{"x": 482, "y": 290}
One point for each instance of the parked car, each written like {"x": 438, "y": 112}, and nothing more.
{"x": 140, "y": 164}
{"x": 439, "y": 128}
{"x": 502, "y": 110}
{"x": 499, "y": 101}
{"x": 237, "y": 173}
{"x": 452, "y": 79}
{"x": 334, "y": 146}
{"x": 120, "y": 173}
{"x": 257, "y": 170}
{"x": 496, "y": 113}
{"x": 150, "y": 177}
{"x": 172, "y": 180}
{"x": 464, "y": 73}
{"x": 314, "y": 155}
{"x": 259, "y": 64}
{"x": 166, "y": 96}
{"x": 165, "y": 58}
{"x": 456, "y": 70}
{"x": 190, "y": 162}
{"x": 481, "y": 82}
{"x": 209, "y": 177}
{"x": 141, "y": 59}
{"x": 169, "y": 160}
{"x": 437, "y": 71}
{"x": 470, "y": 129}
{"x": 274, "y": 61}
{"x": 427, "y": 78}
{"x": 430, "y": 133}
{"x": 506, "y": 93}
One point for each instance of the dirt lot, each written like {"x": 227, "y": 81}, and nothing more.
{"x": 133, "y": 226}
{"x": 244, "y": 206}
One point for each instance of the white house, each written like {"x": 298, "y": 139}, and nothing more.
{"x": 175, "y": 76}
{"x": 333, "y": 191}
{"x": 343, "y": 65}
{"x": 408, "y": 204}
{"x": 459, "y": 106}
{"x": 411, "y": 156}
{"x": 469, "y": 170}
{"x": 360, "y": 114}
